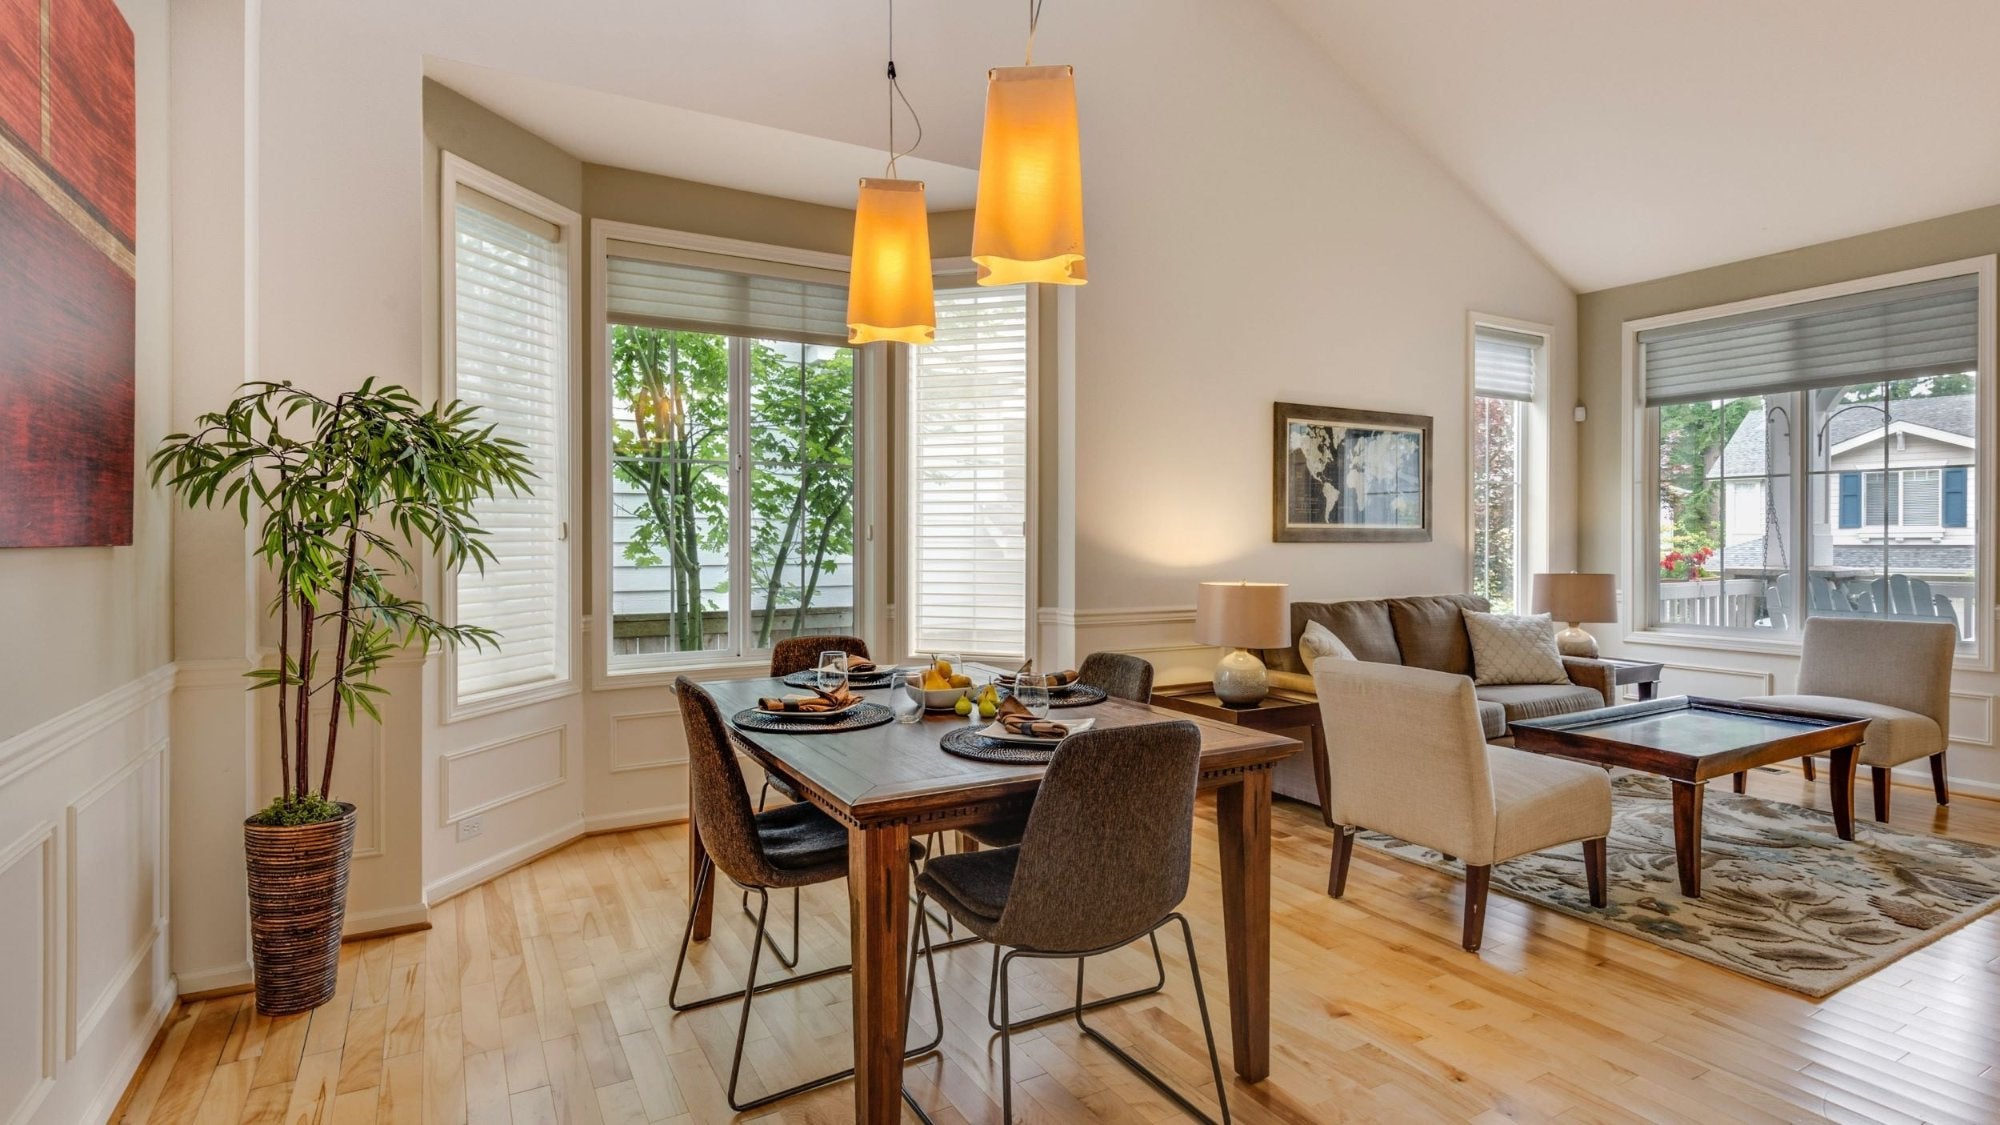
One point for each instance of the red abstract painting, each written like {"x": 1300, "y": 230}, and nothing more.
{"x": 67, "y": 236}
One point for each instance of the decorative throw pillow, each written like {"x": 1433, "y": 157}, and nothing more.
{"x": 1514, "y": 650}
{"x": 1319, "y": 641}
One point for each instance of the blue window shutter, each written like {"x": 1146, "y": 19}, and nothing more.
{"x": 1850, "y": 499}
{"x": 1954, "y": 496}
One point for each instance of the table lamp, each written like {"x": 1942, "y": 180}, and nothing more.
{"x": 1240, "y": 616}
{"x": 1576, "y": 598}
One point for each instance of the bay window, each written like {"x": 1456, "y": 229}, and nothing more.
{"x": 1818, "y": 458}
{"x": 732, "y": 467}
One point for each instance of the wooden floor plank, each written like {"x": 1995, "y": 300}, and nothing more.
{"x": 541, "y": 997}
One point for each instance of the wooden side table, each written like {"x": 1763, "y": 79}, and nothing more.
{"x": 1281, "y": 712}
{"x": 1644, "y": 674}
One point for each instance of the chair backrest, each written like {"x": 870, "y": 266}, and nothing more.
{"x": 1904, "y": 664}
{"x": 721, "y": 802}
{"x": 796, "y": 654}
{"x": 1106, "y": 850}
{"x": 1406, "y": 753}
{"x": 1122, "y": 676}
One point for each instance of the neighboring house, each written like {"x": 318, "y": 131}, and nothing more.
{"x": 1899, "y": 489}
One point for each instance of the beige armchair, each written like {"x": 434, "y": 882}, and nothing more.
{"x": 1895, "y": 674}
{"x": 1407, "y": 756}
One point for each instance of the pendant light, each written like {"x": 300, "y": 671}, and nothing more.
{"x": 889, "y": 294}
{"x": 1028, "y": 222}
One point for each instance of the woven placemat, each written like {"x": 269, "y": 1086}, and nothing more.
{"x": 969, "y": 743}
{"x": 809, "y": 678}
{"x": 861, "y": 718}
{"x": 1075, "y": 695}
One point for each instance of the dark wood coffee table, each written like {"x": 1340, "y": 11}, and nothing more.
{"x": 1691, "y": 741}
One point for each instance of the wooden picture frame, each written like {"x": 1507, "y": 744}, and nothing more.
{"x": 1349, "y": 476}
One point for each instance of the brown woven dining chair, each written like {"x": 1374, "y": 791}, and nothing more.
{"x": 792, "y": 846}
{"x": 1119, "y": 675}
{"x": 1104, "y": 862}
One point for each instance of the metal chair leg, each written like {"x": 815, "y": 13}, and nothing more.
{"x": 701, "y": 881}
{"x": 751, "y": 988}
{"x": 1207, "y": 1031}
{"x": 1025, "y": 1022}
{"x": 791, "y": 962}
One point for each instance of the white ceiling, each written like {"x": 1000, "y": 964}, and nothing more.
{"x": 1628, "y": 140}
{"x": 667, "y": 140}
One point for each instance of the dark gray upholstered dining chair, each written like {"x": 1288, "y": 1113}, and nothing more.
{"x": 797, "y": 654}
{"x": 793, "y": 845}
{"x": 1104, "y": 862}
{"x": 1121, "y": 676}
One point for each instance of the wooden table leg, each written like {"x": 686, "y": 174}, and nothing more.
{"x": 1841, "y": 777}
{"x": 1317, "y": 748}
{"x": 1243, "y": 823}
{"x": 1687, "y": 834}
{"x": 878, "y": 894}
{"x": 703, "y": 907}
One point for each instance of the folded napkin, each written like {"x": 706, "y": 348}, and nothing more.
{"x": 1056, "y": 679}
{"x": 819, "y": 701}
{"x": 860, "y": 666}
{"x": 1021, "y": 723}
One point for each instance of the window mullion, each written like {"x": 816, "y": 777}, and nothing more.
{"x": 739, "y": 496}
{"x": 1798, "y": 423}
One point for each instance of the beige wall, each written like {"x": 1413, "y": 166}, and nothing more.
{"x": 1602, "y": 495}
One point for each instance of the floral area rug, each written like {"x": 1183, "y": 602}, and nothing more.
{"x": 1783, "y": 898}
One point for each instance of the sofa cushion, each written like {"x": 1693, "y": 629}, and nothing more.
{"x": 1507, "y": 649}
{"x": 1493, "y": 719}
{"x": 1894, "y": 735}
{"x": 1430, "y": 631}
{"x": 1318, "y": 641}
{"x": 1363, "y": 626}
{"x": 1539, "y": 701}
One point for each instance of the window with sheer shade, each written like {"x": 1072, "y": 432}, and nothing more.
{"x": 969, "y": 477}
{"x": 510, "y": 353}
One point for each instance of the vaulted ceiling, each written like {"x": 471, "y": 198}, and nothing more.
{"x": 1622, "y": 140}
{"x": 1627, "y": 139}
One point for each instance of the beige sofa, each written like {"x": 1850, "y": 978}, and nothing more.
{"x": 1424, "y": 632}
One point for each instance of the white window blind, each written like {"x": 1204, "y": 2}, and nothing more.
{"x": 1927, "y": 328}
{"x": 657, "y": 287}
{"x": 1504, "y": 364}
{"x": 969, "y": 475}
{"x": 511, "y": 362}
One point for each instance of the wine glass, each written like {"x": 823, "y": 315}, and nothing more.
{"x": 832, "y": 670}
{"x": 908, "y": 698}
{"x": 1032, "y": 689}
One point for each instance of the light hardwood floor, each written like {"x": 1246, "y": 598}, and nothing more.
{"x": 541, "y": 997}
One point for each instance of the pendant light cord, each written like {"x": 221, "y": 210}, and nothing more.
{"x": 896, "y": 94}
{"x": 1034, "y": 17}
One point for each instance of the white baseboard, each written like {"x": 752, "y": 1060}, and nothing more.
{"x": 636, "y": 818}
{"x": 126, "y": 1068}
{"x": 209, "y": 980}
{"x": 473, "y": 874}
{"x": 393, "y": 918}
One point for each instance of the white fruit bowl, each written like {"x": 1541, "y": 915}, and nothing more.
{"x": 943, "y": 699}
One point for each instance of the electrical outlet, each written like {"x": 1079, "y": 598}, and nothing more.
{"x": 469, "y": 827}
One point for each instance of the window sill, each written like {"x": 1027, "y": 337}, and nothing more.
{"x": 1786, "y": 646}
{"x": 456, "y": 711}
{"x": 624, "y": 679}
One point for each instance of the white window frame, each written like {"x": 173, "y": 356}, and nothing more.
{"x": 456, "y": 172}
{"x": 959, "y": 269}
{"x": 1639, "y": 439}
{"x": 870, "y": 362}
{"x": 1531, "y": 460}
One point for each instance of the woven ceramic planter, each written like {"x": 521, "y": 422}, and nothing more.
{"x": 298, "y": 897}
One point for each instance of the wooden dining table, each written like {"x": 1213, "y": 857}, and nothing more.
{"x": 891, "y": 782}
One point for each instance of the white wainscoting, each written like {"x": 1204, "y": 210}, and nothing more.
{"x": 486, "y": 777}
{"x": 84, "y": 982}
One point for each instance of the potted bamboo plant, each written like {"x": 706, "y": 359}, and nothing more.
{"x": 349, "y": 493}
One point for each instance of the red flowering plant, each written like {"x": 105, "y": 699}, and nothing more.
{"x": 1676, "y": 566}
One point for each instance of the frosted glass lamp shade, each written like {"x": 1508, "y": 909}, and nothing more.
{"x": 889, "y": 293}
{"x": 1028, "y": 222}
{"x": 1243, "y": 615}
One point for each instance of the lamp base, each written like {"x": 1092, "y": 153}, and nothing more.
{"x": 1240, "y": 679}
{"x": 1573, "y": 641}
